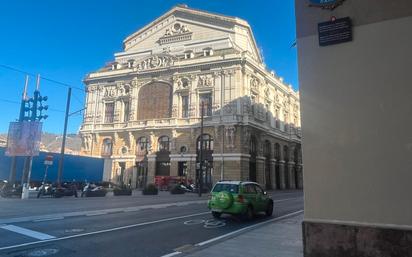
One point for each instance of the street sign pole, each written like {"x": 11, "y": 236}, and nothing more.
{"x": 47, "y": 162}
{"x": 46, "y": 167}
{"x": 200, "y": 178}
{"x": 29, "y": 159}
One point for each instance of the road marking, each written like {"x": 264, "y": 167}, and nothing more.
{"x": 194, "y": 222}
{"x": 171, "y": 254}
{"x": 84, "y": 213}
{"x": 236, "y": 231}
{"x": 133, "y": 209}
{"x": 102, "y": 231}
{"x": 287, "y": 199}
{"x": 49, "y": 219}
{"x": 247, "y": 228}
{"x": 28, "y": 232}
{"x": 214, "y": 223}
{"x": 95, "y": 214}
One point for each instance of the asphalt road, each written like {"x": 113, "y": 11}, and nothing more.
{"x": 140, "y": 226}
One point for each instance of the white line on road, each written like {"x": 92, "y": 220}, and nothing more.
{"x": 171, "y": 254}
{"x": 96, "y": 214}
{"x": 102, "y": 231}
{"x": 247, "y": 228}
{"x": 287, "y": 199}
{"x": 49, "y": 219}
{"x": 27, "y": 232}
{"x": 238, "y": 231}
{"x": 84, "y": 213}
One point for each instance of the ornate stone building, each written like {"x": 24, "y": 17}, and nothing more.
{"x": 143, "y": 109}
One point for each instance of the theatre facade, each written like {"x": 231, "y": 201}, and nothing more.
{"x": 143, "y": 110}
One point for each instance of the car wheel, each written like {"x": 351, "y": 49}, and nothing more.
{"x": 269, "y": 209}
{"x": 249, "y": 213}
{"x": 216, "y": 214}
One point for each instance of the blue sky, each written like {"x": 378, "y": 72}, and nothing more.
{"x": 64, "y": 40}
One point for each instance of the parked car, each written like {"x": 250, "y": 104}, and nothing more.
{"x": 239, "y": 198}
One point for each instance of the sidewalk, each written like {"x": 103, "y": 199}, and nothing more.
{"x": 278, "y": 239}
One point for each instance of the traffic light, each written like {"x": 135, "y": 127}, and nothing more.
{"x": 32, "y": 108}
{"x": 39, "y": 107}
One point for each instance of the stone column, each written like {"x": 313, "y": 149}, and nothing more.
{"x": 174, "y": 167}
{"x": 244, "y": 168}
{"x": 129, "y": 175}
{"x": 260, "y": 170}
{"x": 217, "y": 104}
{"x": 273, "y": 173}
{"x": 291, "y": 173}
{"x": 191, "y": 170}
{"x": 134, "y": 176}
{"x": 299, "y": 170}
{"x": 133, "y": 101}
{"x": 107, "y": 169}
{"x": 217, "y": 169}
{"x": 282, "y": 174}
{"x": 151, "y": 169}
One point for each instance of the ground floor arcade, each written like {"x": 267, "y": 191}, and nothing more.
{"x": 232, "y": 152}
{"x": 272, "y": 173}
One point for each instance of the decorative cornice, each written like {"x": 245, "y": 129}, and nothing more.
{"x": 167, "y": 71}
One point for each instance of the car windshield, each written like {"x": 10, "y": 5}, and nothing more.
{"x": 232, "y": 188}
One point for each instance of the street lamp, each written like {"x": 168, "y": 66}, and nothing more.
{"x": 200, "y": 171}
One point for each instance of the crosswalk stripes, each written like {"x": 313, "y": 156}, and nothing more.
{"x": 27, "y": 232}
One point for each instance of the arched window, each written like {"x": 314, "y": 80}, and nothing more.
{"x": 107, "y": 147}
{"x": 164, "y": 143}
{"x": 253, "y": 145}
{"x": 185, "y": 83}
{"x": 207, "y": 142}
{"x": 142, "y": 144}
{"x": 154, "y": 101}
{"x": 126, "y": 89}
{"x": 206, "y": 99}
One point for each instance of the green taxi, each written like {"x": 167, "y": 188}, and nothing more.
{"x": 239, "y": 198}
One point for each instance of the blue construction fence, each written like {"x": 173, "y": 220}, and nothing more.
{"x": 79, "y": 168}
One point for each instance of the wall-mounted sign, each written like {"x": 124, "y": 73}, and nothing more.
{"x": 335, "y": 31}
{"x": 326, "y": 4}
{"x": 48, "y": 160}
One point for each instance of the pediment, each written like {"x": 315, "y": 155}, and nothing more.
{"x": 182, "y": 25}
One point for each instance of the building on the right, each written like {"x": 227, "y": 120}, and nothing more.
{"x": 357, "y": 143}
